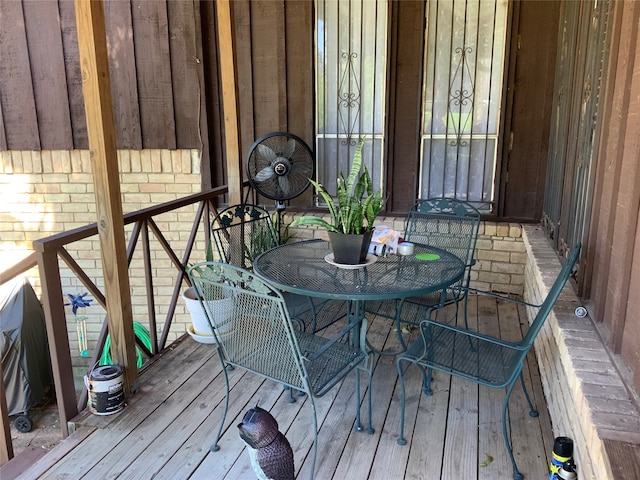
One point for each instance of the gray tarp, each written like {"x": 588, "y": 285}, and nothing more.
{"x": 23, "y": 346}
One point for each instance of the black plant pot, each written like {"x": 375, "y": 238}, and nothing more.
{"x": 350, "y": 249}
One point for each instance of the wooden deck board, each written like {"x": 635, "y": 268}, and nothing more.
{"x": 490, "y": 440}
{"x": 167, "y": 427}
{"x": 525, "y": 430}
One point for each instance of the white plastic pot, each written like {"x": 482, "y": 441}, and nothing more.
{"x": 222, "y": 311}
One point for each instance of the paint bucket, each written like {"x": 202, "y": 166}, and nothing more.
{"x": 106, "y": 395}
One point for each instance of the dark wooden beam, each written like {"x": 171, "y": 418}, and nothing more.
{"x": 96, "y": 88}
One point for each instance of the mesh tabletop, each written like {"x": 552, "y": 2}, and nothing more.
{"x": 302, "y": 267}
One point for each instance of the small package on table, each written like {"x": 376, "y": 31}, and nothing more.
{"x": 384, "y": 240}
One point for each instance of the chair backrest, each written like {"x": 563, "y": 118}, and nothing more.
{"x": 552, "y": 296}
{"x": 250, "y": 322}
{"x": 446, "y": 223}
{"x": 241, "y": 233}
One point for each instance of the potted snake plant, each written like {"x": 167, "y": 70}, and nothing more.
{"x": 353, "y": 212}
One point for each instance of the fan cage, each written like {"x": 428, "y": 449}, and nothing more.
{"x": 280, "y": 151}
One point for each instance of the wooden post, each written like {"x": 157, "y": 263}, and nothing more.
{"x": 229, "y": 83}
{"x": 96, "y": 88}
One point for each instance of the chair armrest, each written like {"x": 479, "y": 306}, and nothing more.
{"x": 425, "y": 324}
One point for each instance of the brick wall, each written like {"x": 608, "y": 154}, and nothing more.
{"x": 47, "y": 192}
{"x": 586, "y": 397}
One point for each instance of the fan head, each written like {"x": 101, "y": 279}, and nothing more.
{"x": 279, "y": 166}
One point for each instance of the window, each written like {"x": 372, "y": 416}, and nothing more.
{"x": 351, "y": 57}
{"x": 462, "y": 100}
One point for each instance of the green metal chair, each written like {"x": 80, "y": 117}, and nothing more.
{"x": 451, "y": 225}
{"x": 260, "y": 337}
{"x": 241, "y": 233}
{"x": 481, "y": 359}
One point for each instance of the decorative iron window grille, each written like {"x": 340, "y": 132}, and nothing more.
{"x": 351, "y": 65}
{"x": 570, "y": 173}
{"x": 463, "y": 82}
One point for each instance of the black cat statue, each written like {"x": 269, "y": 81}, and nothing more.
{"x": 269, "y": 450}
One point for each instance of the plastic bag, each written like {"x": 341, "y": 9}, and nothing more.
{"x": 384, "y": 240}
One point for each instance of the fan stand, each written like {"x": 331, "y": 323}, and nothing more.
{"x": 279, "y": 167}
{"x": 280, "y": 208}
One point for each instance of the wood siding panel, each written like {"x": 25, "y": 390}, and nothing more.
{"x": 615, "y": 100}
{"x": 40, "y": 73}
{"x": 299, "y": 69}
{"x": 244, "y": 70}
{"x": 42, "y": 22}
{"x": 74, "y": 77}
{"x": 300, "y": 78}
{"x": 151, "y": 30}
{"x": 185, "y": 64}
{"x": 269, "y": 67}
{"x": 122, "y": 71}
{"x": 631, "y": 331}
{"x": 534, "y": 49}
{"x": 215, "y": 168}
{"x": 203, "y": 121}
{"x": 628, "y": 191}
{"x": 16, "y": 87}
{"x": 405, "y": 104}
{"x": 613, "y": 272}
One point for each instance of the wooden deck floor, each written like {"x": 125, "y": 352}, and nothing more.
{"x": 166, "y": 428}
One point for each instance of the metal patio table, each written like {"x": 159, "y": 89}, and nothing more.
{"x": 304, "y": 268}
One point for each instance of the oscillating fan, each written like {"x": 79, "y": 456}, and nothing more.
{"x": 279, "y": 166}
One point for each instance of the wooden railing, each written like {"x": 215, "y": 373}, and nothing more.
{"x": 48, "y": 252}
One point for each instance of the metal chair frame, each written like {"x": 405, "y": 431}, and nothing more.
{"x": 259, "y": 336}
{"x": 451, "y": 225}
{"x": 478, "y": 358}
{"x": 242, "y": 232}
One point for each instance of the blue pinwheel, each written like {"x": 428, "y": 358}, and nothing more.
{"x": 78, "y": 301}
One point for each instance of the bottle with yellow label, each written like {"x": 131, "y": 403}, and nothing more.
{"x": 562, "y": 451}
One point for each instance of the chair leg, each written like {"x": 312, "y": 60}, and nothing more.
{"x": 358, "y": 424}
{"x": 465, "y": 310}
{"x": 532, "y": 409}
{"x": 215, "y": 447}
{"x": 516, "y": 473}
{"x": 314, "y": 315}
{"x": 401, "y": 440}
{"x": 314, "y": 454}
{"x": 427, "y": 378}
{"x": 291, "y": 398}
{"x": 370, "y": 429}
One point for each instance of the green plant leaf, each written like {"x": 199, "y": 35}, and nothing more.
{"x": 355, "y": 166}
{"x": 311, "y": 220}
{"x": 351, "y": 211}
